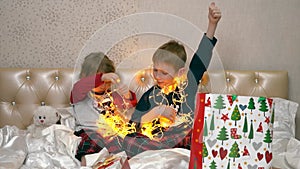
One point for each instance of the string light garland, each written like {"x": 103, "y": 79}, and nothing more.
{"x": 111, "y": 121}
{"x": 156, "y": 128}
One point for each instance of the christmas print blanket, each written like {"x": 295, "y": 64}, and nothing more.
{"x": 232, "y": 131}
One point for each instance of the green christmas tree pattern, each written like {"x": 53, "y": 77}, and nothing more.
{"x": 234, "y": 151}
{"x": 251, "y": 133}
{"x": 236, "y": 115}
{"x": 205, "y": 132}
{"x": 268, "y": 138}
{"x": 223, "y": 135}
{"x": 263, "y": 105}
{"x": 228, "y": 165}
{"x": 219, "y": 104}
{"x": 251, "y": 104}
{"x": 245, "y": 127}
{"x": 213, "y": 165}
{"x": 273, "y": 116}
{"x": 204, "y": 151}
{"x": 212, "y": 123}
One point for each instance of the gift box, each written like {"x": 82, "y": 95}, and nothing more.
{"x": 232, "y": 131}
{"x": 105, "y": 160}
{"x": 113, "y": 162}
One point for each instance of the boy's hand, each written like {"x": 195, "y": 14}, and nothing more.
{"x": 167, "y": 112}
{"x": 161, "y": 111}
{"x": 214, "y": 16}
{"x": 214, "y": 13}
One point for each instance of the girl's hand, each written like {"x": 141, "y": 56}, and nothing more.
{"x": 110, "y": 77}
{"x": 123, "y": 90}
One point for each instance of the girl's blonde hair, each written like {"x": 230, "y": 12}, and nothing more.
{"x": 96, "y": 63}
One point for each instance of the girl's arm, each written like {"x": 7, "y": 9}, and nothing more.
{"x": 83, "y": 86}
{"x": 123, "y": 102}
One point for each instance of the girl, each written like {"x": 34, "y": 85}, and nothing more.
{"x": 93, "y": 99}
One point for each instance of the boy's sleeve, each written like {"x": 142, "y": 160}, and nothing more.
{"x": 142, "y": 108}
{"x": 202, "y": 57}
{"x": 83, "y": 86}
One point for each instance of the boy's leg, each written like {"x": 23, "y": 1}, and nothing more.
{"x": 93, "y": 142}
{"x": 90, "y": 143}
{"x": 83, "y": 161}
{"x": 136, "y": 143}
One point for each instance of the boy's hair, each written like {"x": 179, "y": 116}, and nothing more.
{"x": 171, "y": 53}
{"x": 96, "y": 63}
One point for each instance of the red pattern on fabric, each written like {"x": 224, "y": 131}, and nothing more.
{"x": 175, "y": 137}
{"x": 197, "y": 135}
{"x": 93, "y": 142}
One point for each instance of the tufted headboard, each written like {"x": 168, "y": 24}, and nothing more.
{"x": 22, "y": 89}
{"x": 246, "y": 83}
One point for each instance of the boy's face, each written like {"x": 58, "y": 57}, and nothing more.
{"x": 164, "y": 74}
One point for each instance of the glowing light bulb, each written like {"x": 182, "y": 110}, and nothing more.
{"x": 165, "y": 122}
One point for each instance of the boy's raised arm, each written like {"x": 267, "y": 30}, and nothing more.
{"x": 214, "y": 16}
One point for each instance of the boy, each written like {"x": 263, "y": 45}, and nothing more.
{"x": 164, "y": 114}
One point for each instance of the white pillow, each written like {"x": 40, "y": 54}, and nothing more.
{"x": 285, "y": 114}
{"x": 284, "y": 124}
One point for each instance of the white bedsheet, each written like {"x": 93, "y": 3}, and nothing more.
{"x": 57, "y": 148}
{"x": 161, "y": 159}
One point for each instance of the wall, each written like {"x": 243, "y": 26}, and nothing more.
{"x": 38, "y": 33}
{"x": 255, "y": 34}
{"x": 252, "y": 34}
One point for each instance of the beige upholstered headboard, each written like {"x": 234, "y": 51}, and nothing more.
{"x": 22, "y": 89}
{"x": 246, "y": 83}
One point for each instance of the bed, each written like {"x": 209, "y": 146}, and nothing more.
{"x": 24, "y": 89}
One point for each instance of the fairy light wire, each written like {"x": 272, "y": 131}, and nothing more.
{"x": 111, "y": 123}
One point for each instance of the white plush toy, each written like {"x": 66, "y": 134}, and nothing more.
{"x": 43, "y": 117}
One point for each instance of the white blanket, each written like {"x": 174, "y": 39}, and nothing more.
{"x": 13, "y": 148}
{"x": 55, "y": 149}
